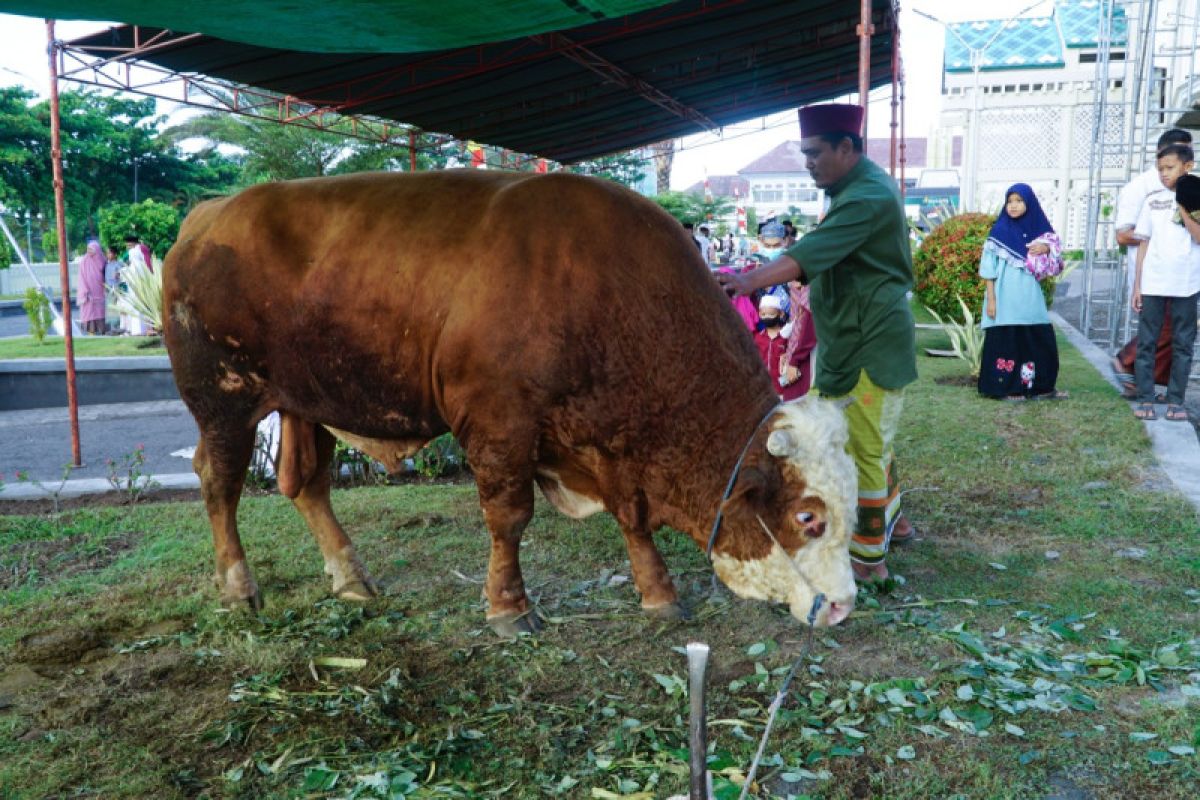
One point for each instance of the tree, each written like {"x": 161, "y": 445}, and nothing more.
{"x": 626, "y": 168}
{"x": 664, "y": 157}
{"x": 111, "y": 152}
{"x": 694, "y": 208}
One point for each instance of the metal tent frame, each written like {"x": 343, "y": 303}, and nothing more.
{"x": 594, "y": 99}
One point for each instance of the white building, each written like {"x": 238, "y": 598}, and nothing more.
{"x": 779, "y": 179}
{"x": 1034, "y": 93}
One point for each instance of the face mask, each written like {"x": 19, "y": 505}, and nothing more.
{"x": 770, "y": 252}
{"x": 771, "y": 322}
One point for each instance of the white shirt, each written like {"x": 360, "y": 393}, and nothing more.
{"x": 1133, "y": 195}
{"x": 1171, "y": 267}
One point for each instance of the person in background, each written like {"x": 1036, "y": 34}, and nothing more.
{"x": 795, "y": 368}
{"x": 90, "y": 292}
{"x": 139, "y": 252}
{"x": 1168, "y": 270}
{"x": 691, "y": 231}
{"x": 1129, "y": 206}
{"x": 112, "y": 267}
{"x": 1020, "y": 354}
{"x": 858, "y": 265}
{"x": 771, "y": 246}
{"x": 789, "y": 234}
{"x": 706, "y": 245}
{"x": 773, "y": 347}
{"x": 743, "y": 305}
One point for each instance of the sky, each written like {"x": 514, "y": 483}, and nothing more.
{"x": 23, "y": 61}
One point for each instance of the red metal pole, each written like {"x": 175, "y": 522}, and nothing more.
{"x": 895, "y": 81}
{"x": 412, "y": 150}
{"x": 60, "y": 214}
{"x": 865, "y": 29}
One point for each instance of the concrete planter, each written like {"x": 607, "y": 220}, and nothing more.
{"x": 42, "y": 382}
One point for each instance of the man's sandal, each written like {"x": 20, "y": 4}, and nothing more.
{"x": 1177, "y": 413}
{"x": 1145, "y": 411}
{"x": 869, "y": 573}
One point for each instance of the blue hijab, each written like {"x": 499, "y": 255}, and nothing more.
{"x": 1012, "y": 235}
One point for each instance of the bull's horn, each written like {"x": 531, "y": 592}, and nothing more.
{"x": 781, "y": 444}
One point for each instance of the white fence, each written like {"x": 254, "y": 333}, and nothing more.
{"x": 16, "y": 279}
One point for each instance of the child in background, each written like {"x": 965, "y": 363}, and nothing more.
{"x": 1168, "y": 269}
{"x": 791, "y": 379}
{"x": 1020, "y": 354}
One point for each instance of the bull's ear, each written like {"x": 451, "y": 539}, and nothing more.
{"x": 751, "y": 486}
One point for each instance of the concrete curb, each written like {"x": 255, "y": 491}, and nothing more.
{"x": 41, "y": 490}
{"x": 1179, "y": 456}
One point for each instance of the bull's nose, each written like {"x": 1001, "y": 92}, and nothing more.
{"x": 838, "y": 612}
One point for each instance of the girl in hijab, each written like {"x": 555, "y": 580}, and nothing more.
{"x": 1020, "y": 356}
{"x": 90, "y": 294}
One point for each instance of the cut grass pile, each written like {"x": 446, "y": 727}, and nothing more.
{"x": 1043, "y": 641}
{"x": 53, "y": 346}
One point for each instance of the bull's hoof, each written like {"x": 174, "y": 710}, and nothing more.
{"x": 510, "y": 626}
{"x": 669, "y": 612}
{"x": 358, "y": 591}
{"x": 237, "y": 602}
{"x": 239, "y": 589}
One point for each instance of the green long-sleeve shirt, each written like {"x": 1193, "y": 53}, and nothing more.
{"x": 859, "y": 264}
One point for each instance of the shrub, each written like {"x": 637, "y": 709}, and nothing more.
{"x": 37, "y": 308}
{"x": 155, "y": 223}
{"x": 946, "y": 267}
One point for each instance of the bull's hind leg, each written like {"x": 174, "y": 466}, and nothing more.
{"x": 507, "y": 501}
{"x": 304, "y": 459}
{"x": 221, "y": 459}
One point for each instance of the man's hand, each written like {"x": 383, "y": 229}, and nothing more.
{"x": 1136, "y": 302}
{"x": 735, "y": 285}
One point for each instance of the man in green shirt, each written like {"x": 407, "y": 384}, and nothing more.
{"x": 859, "y": 266}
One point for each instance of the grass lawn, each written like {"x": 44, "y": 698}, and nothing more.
{"x": 53, "y": 347}
{"x": 1043, "y": 642}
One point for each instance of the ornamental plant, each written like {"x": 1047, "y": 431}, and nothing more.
{"x": 946, "y": 267}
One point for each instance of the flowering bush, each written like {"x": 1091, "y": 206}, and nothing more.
{"x": 946, "y": 267}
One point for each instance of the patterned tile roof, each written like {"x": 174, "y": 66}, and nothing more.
{"x": 1079, "y": 21}
{"x": 1030, "y": 42}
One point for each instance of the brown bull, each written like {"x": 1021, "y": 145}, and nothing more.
{"x": 563, "y": 328}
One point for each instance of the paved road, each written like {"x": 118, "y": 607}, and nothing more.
{"x": 39, "y": 440}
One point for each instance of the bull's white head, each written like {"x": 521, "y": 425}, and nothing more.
{"x": 798, "y": 481}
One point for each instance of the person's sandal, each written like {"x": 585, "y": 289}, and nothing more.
{"x": 1058, "y": 394}
{"x": 1177, "y": 413}
{"x": 1145, "y": 412}
{"x": 869, "y": 573}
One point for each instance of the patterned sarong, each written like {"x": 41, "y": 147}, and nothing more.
{"x": 873, "y": 419}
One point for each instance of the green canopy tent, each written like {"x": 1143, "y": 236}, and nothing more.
{"x": 561, "y": 79}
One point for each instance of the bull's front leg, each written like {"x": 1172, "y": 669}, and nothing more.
{"x": 507, "y": 508}
{"x": 659, "y": 598}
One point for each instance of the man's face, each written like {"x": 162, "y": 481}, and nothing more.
{"x": 1171, "y": 168}
{"x": 827, "y": 164}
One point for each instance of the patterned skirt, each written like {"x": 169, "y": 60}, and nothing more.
{"x": 1018, "y": 361}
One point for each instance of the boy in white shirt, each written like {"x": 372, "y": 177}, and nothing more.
{"x": 1168, "y": 270}
{"x": 1129, "y": 205}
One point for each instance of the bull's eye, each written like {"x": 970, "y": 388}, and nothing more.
{"x": 804, "y": 517}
